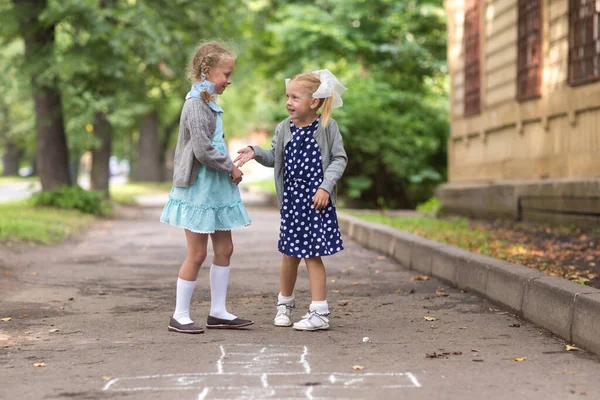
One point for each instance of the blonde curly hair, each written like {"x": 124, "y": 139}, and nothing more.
{"x": 207, "y": 54}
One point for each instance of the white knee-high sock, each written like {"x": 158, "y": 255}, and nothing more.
{"x": 219, "y": 279}
{"x": 185, "y": 290}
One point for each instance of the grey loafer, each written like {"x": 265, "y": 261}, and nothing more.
{"x": 218, "y": 323}
{"x": 175, "y": 326}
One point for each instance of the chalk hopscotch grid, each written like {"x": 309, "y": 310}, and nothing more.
{"x": 259, "y": 380}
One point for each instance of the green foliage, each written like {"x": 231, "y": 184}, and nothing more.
{"x": 73, "y": 198}
{"x": 431, "y": 207}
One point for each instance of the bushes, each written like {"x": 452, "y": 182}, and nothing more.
{"x": 73, "y": 198}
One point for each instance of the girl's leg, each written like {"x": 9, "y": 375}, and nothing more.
{"x": 219, "y": 274}
{"x": 317, "y": 278}
{"x": 196, "y": 254}
{"x": 288, "y": 274}
{"x": 287, "y": 281}
{"x": 316, "y": 319}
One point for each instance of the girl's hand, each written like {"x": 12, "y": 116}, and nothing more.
{"x": 246, "y": 154}
{"x": 236, "y": 175}
{"x": 321, "y": 199}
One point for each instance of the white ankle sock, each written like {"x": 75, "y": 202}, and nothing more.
{"x": 320, "y": 307}
{"x": 219, "y": 279}
{"x": 185, "y": 290}
{"x": 281, "y": 299}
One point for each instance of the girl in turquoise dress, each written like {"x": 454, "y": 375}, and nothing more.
{"x": 205, "y": 199}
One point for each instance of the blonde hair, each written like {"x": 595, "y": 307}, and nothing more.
{"x": 207, "y": 54}
{"x": 311, "y": 82}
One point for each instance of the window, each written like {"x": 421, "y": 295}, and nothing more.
{"x": 584, "y": 41}
{"x": 530, "y": 49}
{"x": 472, "y": 58}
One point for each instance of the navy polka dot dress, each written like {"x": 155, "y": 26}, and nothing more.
{"x": 306, "y": 232}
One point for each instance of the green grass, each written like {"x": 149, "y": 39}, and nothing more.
{"x": 267, "y": 185}
{"x": 22, "y": 222}
{"x": 126, "y": 194}
{"x": 12, "y": 179}
{"x": 455, "y": 231}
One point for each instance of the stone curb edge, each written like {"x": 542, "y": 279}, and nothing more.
{"x": 568, "y": 310}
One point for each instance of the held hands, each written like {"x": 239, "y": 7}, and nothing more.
{"x": 236, "y": 175}
{"x": 246, "y": 154}
{"x": 321, "y": 199}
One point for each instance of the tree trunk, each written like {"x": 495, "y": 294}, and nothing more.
{"x": 52, "y": 153}
{"x": 11, "y": 159}
{"x": 148, "y": 167}
{"x": 100, "y": 175}
{"x": 165, "y": 156}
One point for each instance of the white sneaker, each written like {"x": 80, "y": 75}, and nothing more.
{"x": 284, "y": 314}
{"x": 313, "y": 322}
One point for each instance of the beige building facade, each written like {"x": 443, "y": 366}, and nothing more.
{"x": 524, "y": 109}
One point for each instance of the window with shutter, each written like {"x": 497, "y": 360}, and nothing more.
{"x": 529, "y": 64}
{"x": 584, "y": 41}
{"x": 472, "y": 58}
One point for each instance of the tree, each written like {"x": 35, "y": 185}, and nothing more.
{"x": 52, "y": 155}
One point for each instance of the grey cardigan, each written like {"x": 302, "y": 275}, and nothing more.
{"x": 333, "y": 156}
{"x": 194, "y": 143}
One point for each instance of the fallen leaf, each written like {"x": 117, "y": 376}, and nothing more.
{"x": 107, "y": 378}
{"x": 566, "y": 372}
{"x": 53, "y": 330}
{"x": 399, "y": 291}
{"x": 430, "y": 319}
{"x": 475, "y": 350}
{"x": 571, "y": 348}
{"x": 25, "y": 315}
{"x": 354, "y": 283}
{"x": 39, "y": 364}
{"x": 6, "y": 319}
{"x": 333, "y": 281}
{"x": 519, "y": 359}
{"x": 335, "y": 291}
{"x": 358, "y": 367}
{"x": 502, "y": 313}
{"x": 420, "y": 278}
{"x": 440, "y": 292}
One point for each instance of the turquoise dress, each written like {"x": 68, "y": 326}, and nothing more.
{"x": 213, "y": 202}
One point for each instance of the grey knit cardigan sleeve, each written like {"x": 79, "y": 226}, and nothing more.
{"x": 333, "y": 156}
{"x": 194, "y": 144}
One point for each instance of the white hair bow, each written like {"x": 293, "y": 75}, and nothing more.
{"x": 329, "y": 86}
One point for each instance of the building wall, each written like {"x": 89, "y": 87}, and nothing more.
{"x": 554, "y": 136}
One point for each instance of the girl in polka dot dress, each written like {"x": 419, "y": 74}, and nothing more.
{"x": 308, "y": 156}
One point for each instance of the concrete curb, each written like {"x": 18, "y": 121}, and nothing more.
{"x": 566, "y": 309}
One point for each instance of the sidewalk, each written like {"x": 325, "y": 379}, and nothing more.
{"x": 97, "y": 308}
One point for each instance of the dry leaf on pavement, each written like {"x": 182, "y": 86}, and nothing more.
{"x": 440, "y": 292}
{"x": 569, "y": 347}
{"x": 519, "y": 358}
{"x": 6, "y": 319}
{"x": 420, "y": 278}
{"x": 430, "y": 319}
{"x": 107, "y": 378}
{"x": 39, "y": 364}
{"x": 358, "y": 367}
{"x": 53, "y": 330}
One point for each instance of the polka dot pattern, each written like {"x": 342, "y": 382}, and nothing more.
{"x": 305, "y": 232}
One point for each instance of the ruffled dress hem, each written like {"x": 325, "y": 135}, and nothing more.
{"x": 204, "y": 219}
